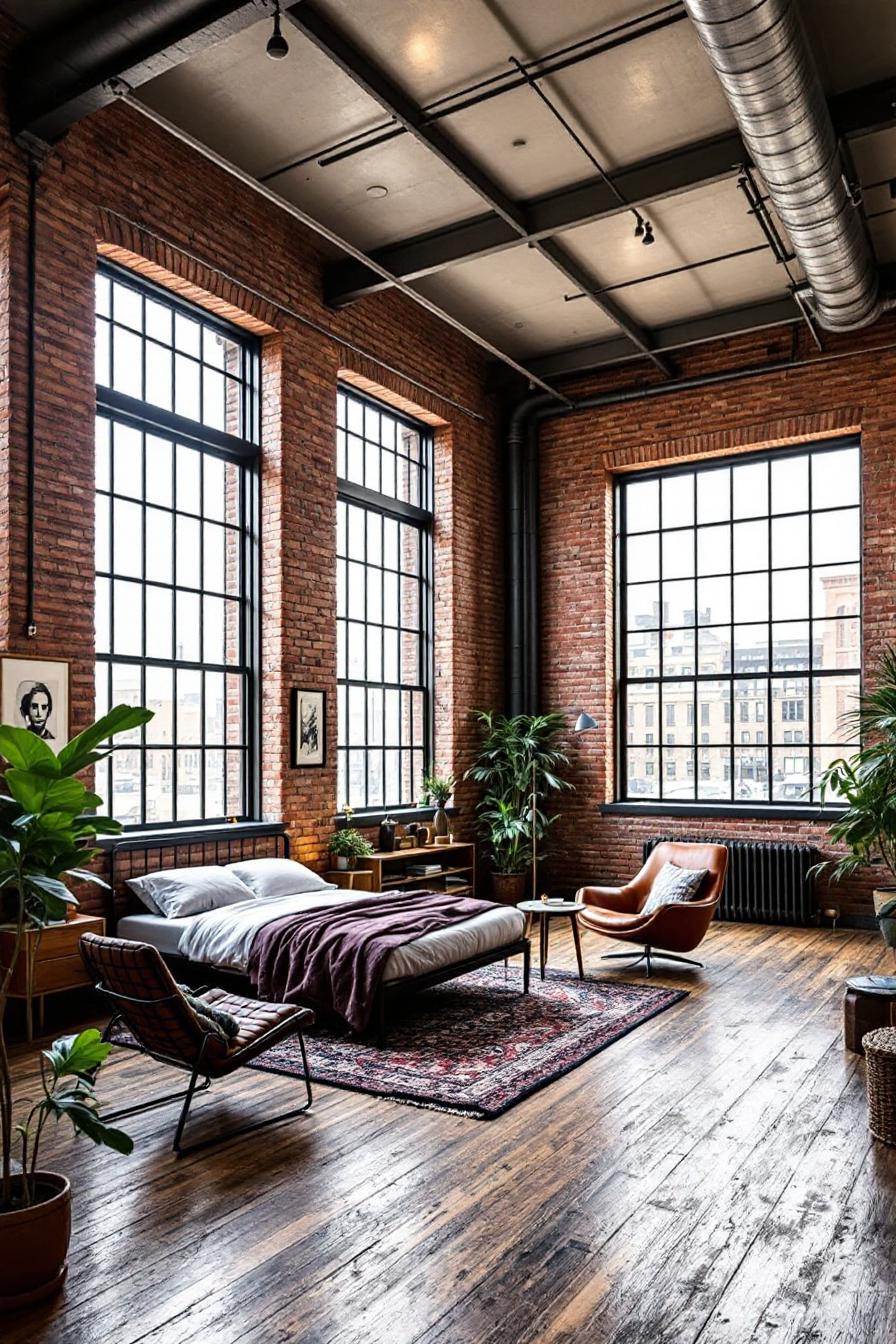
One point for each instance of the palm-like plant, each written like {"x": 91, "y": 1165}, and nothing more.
{"x": 866, "y": 781}
{"x": 513, "y": 753}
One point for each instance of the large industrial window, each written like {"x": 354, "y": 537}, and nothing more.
{"x": 384, "y": 603}
{"x": 739, "y": 604}
{"x": 176, "y": 487}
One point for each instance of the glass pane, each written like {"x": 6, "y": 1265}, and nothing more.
{"x": 103, "y": 436}
{"x": 835, "y": 591}
{"x": 822, "y": 759}
{"x": 790, "y": 646}
{"x": 749, "y": 712}
{"x": 159, "y": 376}
{"x": 215, "y": 785}
{"x": 790, "y": 709}
{"x": 643, "y": 712}
{"x": 127, "y": 462}
{"x": 213, "y": 403}
{"x": 642, "y": 606}
{"x": 790, "y": 774}
{"x": 158, "y": 321}
{"x": 642, "y": 506}
{"x": 751, "y": 648}
{"x": 235, "y": 689}
{"x": 213, "y": 538}
{"x": 750, "y": 489}
{"x": 836, "y": 478}
{"x": 236, "y": 784}
{"x": 790, "y": 541}
{"x": 125, "y": 792}
{"x": 188, "y": 554}
{"x": 187, "y": 334}
{"x": 713, "y": 495}
{"x": 751, "y": 545}
{"x": 836, "y": 643}
{"x": 159, "y": 633}
{"x": 159, "y": 548}
{"x": 126, "y": 690}
{"x": 374, "y": 653}
{"x": 213, "y": 650}
{"x": 188, "y": 628}
{"x": 189, "y": 785}
{"x": 102, "y": 351}
{"x": 790, "y": 484}
{"x": 714, "y": 712}
{"x": 678, "y": 603}
{"x": 101, "y": 547}
{"x": 127, "y": 306}
{"x": 713, "y": 601}
{"x": 677, "y": 712}
{"x": 836, "y": 536}
{"x": 642, "y": 773}
{"x": 714, "y": 549}
{"x": 127, "y": 362}
{"x": 643, "y": 654}
{"x": 127, "y": 558}
{"x": 158, "y": 470}
{"x": 750, "y": 597}
{"x": 375, "y": 779}
{"x": 835, "y": 700}
{"x": 713, "y": 774}
{"x": 356, "y": 527}
{"x": 160, "y": 699}
{"x": 390, "y": 599}
{"x": 678, "y": 554}
{"x": 678, "y": 773}
{"x": 189, "y": 471}
{"x": 127, "y": 619}
{"x": 678, "y": 500}
{"x": 714, "y": 644}
{"x": 390, "y": 543}
{"x": 642, "y": 557}
{"x": 750, "y": 774}
{"x": 189, "y": 706}
{"x": 790, "y": 595}
{"x": 102, "y": 616}
{"x": 356, "y": 647}
{"x": 374, "y": 538}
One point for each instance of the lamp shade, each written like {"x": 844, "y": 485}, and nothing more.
{"x": 584, "y": 722}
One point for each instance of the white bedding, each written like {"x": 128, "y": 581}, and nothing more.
{"x": 224, "y": 937}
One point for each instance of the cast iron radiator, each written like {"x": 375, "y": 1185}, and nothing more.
{"x": 767, "y": 883}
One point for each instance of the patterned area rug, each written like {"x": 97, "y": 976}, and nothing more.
{"x": 476, "y": 1046}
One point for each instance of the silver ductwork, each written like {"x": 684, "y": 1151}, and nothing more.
{"x": 761, "y": 55}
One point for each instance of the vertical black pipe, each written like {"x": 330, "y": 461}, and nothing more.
{"x": 30, "y": 623}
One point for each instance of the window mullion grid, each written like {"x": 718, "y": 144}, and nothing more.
{"x": 144, "y": 638}
{"x": 694, "y": 730}
{"x": 201, "y": 732}
{"x": 364, "y": 554}
{"x": 660, "y": 697}
{"x": 810, "y": 671}
{"x": 770, "y": 710}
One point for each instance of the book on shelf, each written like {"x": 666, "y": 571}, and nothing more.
{"x": 424, "y": 869}
{"x": 457, "y": 880}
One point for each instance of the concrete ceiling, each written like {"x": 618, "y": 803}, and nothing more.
{"x": 649, "y": 94}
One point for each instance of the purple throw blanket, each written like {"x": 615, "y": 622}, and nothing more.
{"x": 333, "y": 958}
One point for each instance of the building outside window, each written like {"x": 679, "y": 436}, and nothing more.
{"x": 384, "y": 603}
{"x": 740, "y": 583}
{"x": 177, "y": 437}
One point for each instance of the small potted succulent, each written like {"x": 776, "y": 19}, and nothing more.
{"x": 347, "y": 847}
{"x": 437, "y": 789}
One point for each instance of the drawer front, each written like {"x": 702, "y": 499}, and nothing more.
{"x": 60, "y": 973}
{"x": 62, "y": 939}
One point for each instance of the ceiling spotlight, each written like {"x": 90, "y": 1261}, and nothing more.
{"x": 277, "y": 47}
{"x": 648, "y": 233}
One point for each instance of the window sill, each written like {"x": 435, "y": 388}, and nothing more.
{"x": 141, "y": 837}
{"x": 745, "y": 811}
{"x": 363, "y": 819}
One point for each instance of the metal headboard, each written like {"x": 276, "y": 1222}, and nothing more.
{"x": 134, "y": 855}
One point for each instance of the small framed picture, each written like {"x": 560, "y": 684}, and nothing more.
{"x": 309, "y": 728}
{"x": 34, "y": 694}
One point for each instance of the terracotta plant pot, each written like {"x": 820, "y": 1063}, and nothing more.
{"x": 509, "y": 888}
{"x": 887, "y": 925}
{"x": 34, "y": 1244}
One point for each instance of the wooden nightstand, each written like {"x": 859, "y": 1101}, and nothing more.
{"x": 49, "y": 962}
{"x": 355, "y": 879}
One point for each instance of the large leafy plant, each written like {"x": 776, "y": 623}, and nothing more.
{"x": 515, "y": 755}
{"x": 866, "y": 781}
{"x": 48, "y": 821}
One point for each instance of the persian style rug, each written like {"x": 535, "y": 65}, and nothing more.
{"x": 476, "y": 1046}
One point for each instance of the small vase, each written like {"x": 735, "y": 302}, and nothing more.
{"x": 440, "y": 823}
{"x": 341, "y": 863}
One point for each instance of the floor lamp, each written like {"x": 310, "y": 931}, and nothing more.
{"x": 584, "y": 724}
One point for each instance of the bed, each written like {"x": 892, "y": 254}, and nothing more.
{"x": 216, "y": 944}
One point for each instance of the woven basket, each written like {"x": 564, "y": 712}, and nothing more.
{"x": 880, "y": 1060}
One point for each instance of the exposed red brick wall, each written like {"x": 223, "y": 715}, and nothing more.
{"x": 119, "y": 183}
{"x": 579, "y": 458}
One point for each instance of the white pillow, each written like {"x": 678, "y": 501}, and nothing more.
{"x": 278, "y": 877}
{"x": 175, "y": 892}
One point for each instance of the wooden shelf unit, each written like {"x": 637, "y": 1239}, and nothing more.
{"x": 388, "y": 871}
{"x": 49, "y": 962}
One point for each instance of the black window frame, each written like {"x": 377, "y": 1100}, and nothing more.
{"x": 422, "y": 517}
{"x": 242, "y": 451}
{"x": 695, "y": 806}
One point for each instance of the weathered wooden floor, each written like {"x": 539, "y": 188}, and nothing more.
{"x": 708, "y": 1178}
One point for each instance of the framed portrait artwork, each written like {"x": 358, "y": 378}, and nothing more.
{"x": 34, "y": 694}
{"x": 309, "y": 727}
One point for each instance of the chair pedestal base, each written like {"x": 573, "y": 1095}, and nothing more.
{"x": 648, "y": 955}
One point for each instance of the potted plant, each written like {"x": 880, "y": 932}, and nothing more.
{"x": 518, "y": 763}
{"x": 46, "y": 834}
{"x": 437, "y": 789}
{"x": 347, "y": 847}
{"x": 866, "y": 783}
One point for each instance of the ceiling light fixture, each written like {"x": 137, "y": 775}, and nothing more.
{"x": 648, "y": 234}
{"x": 277, "y": 46}
{"x": 377, "y": 190}
{"x": 639, "y": 227}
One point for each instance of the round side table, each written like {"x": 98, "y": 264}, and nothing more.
{"x": 869, "y": 1004}
{"x": 546, "y": 910}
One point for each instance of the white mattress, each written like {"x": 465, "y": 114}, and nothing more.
{"x": 432, "y": 952}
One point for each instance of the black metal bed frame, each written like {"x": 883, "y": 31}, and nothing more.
{"x": 212, "y": 840}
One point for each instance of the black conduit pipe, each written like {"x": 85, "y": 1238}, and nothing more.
{"x": 523, "y": 608}
{"x": 33, "y": 174}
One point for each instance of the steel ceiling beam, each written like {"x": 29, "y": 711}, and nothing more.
{"x": 673, "y": 336}
{"x": 68, "y": 70}
{"x": 855, "y": 112}
{"x": 336, "y": 45}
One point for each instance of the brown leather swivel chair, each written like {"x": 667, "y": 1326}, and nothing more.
{"x": 680, "y": 927}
